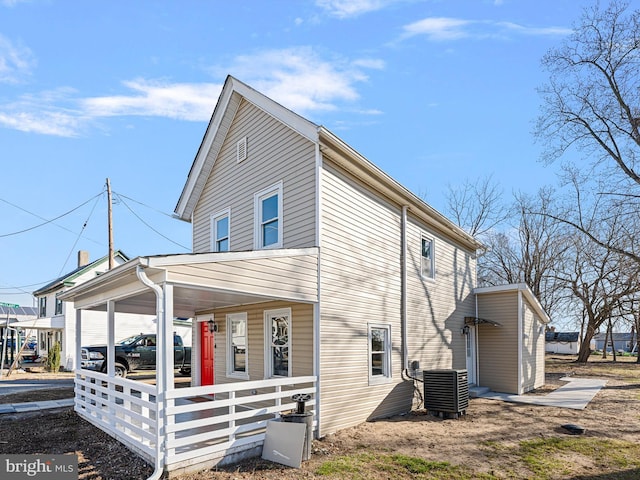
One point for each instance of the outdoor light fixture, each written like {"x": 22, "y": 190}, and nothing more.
{"x": 465, "y": 330}
{"x": 212, "y": 325}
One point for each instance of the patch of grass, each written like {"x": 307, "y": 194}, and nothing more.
{"x": 362, "y": 466}
{"x": 544, "y": 456}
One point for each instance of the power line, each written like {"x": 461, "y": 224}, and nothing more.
{"x": 46, "y": 222}
{"x": 122, "y": 197}
{"x": 145, "y": 205}
{"x": 84, "y": 225}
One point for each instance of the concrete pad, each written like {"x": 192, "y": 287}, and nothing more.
{"x": 575, "y": 395}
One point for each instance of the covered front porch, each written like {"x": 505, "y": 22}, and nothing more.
{"x": 256, "y": 368}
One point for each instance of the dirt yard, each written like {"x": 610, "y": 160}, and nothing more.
{"x": 493, "y": 441}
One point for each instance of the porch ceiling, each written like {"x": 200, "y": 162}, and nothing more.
{"x": 204, "y": 281}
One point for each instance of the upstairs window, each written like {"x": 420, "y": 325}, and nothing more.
{"x": 427, "y": 259}
{"x": 58, "y": 306}
{"x": 268, "y": 217}
{"x": 220, "y": 239}
{"x": 42, "y": 307}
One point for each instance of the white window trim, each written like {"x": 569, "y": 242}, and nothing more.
{"x": 433, "y": 256}
{"x": 268, "y": 364}
{"x": 213, "y": 219}
{"x": 257, "y": 215}
{"x": 230, "y": 373}
{"x": 380, "y": 379}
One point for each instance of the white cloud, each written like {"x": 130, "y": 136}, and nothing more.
{"x": 438, "y": 28}
{"x": 301, "y": 80}
{"x": 352, "y": 8}
{"x": 298, "y": 78}
{"x": 16, "y": 61}
{"x": 445, "y": 28}
{"x": 180, "y": 101}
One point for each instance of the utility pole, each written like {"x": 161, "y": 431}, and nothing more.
{"x": 110, "y": 227}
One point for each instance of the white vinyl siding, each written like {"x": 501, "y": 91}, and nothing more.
{"x": 277, "y": 154}
{"x": 498, "y": 346}
{"x": 221, "y": 231}
{"x": 301, "y": 341}
{"x": 359, "y": 289}
{"x": 533, "y": 346}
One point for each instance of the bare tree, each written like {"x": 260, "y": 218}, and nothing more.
{"x": 476, "y": 206}
{"x": 592, "y": 102}
{"x": 530, "y": 251}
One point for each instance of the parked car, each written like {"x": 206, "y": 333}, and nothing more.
{"x": 135, "y": 353}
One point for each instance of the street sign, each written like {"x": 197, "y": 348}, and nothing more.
{"x": 10, "y": 305}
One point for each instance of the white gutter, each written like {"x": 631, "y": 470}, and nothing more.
{"x": 160, "y": 387}
{"x": 403, "y": 293}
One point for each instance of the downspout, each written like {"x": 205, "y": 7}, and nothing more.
{"x": 317, "y": 312}
{"x": 159, "y": 463}
{"x": 403, "y": 293}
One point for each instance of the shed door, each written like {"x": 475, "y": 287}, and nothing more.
{"x": 207, "y": 348}
{"x": 471, "y": 354}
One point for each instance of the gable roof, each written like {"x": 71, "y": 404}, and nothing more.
{"x": 329, "y": 144}
{"x": 68, "y": 278}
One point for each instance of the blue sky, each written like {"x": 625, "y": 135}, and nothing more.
{"x": 433, "y": 92}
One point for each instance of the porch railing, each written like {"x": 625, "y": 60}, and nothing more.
{"x": 203, "y": 424}
{"x": 126, "y": 409}
{"x": 215, "y": 421}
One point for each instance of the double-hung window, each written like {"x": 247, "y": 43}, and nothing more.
{"x": 268, "y": 217}
{"x": 42, "y": 307}
{"x": 220, "y": 224}
{"x": 427, "y": 263}
{"x": 237, "y": 364}
{"x": 379, "y": 353}
{"x": 277, "y": 329}
{"x": 58, "y": 310}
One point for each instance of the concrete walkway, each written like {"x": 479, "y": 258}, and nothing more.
{"x": 35, "y": 406}
{"x": 576, "y": 394}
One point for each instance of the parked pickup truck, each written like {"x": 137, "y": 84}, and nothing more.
{"x": 135, "y": 353}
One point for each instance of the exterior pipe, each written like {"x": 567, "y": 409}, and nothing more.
{"x": 403, "y": 294}
{"x": 159, "y": 463}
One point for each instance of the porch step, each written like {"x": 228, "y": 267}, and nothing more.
{"x": 475, "y": 391}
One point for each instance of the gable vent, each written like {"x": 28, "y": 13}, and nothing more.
{"x": 241, "y": 149}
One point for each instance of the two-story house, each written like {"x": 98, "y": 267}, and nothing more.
{"x": 312, "y": 271}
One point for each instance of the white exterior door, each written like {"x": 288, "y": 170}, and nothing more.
{"x": 471, "y": 354}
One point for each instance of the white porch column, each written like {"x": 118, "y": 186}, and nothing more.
{"x": 78, "y": 357}
{"x": 111, "y": 343}
{"x": 165, "y": 330}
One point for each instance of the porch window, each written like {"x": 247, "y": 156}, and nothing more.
{"x": 220, "y": 231}
{"x": 427, "y": 259}
{"x": 237, "y": 365}
{"x": 58, "y": 306}
{"x": 379, "y": 353}
{"x": 278, "y": 343}
{"x": 268, "y": 217}
{"x": 42, "y": 307}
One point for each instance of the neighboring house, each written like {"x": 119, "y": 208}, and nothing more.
{"x": 623, "y": 342}
{"x": 565, "y": 343}
{"x": 56, "y": 319}
{"x": 10, "y": 332}
{"x": 312, "y": 271}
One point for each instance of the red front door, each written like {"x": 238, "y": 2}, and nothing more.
{"x": 207, "y": 347}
